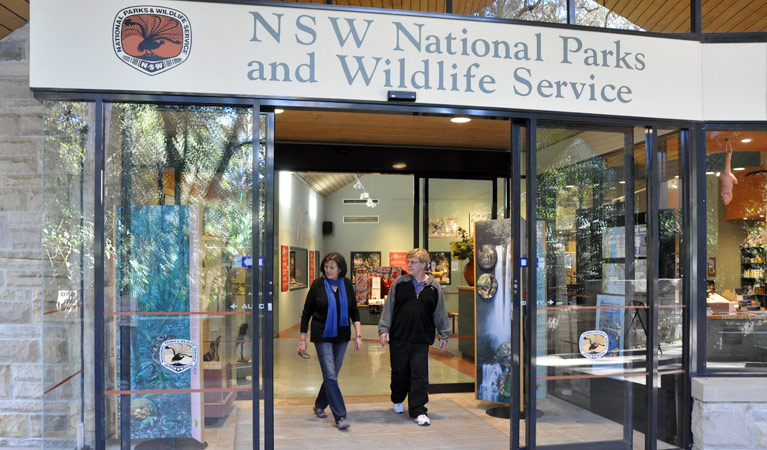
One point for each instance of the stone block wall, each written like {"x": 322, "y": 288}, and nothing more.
{"x": 729, "y": 413}
{"x": 21, "y": 349}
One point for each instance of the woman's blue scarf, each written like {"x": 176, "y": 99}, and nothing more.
{"x": 331, "y": 324}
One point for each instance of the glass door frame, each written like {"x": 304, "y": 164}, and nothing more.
{"x": 688, "y": 252}
{"x": 99, "y": 240}
{"x": 522, "y": 124}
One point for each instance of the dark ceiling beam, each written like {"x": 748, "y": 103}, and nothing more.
{"x": 424, "y": 161}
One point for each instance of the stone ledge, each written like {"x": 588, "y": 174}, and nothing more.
{"x": 730, "y": 390}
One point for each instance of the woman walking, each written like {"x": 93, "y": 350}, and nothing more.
{"x": 331, "y": 306}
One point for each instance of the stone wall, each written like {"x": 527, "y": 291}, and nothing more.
{"x": 20, "y": 248}
{"x": 729, "y": 413}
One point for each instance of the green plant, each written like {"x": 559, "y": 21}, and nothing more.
{"x": 464, "y": 247}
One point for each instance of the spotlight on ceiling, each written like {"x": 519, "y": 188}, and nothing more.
{"x": 460, "y": 119}
{"x": 278, "y": 110}
{"x": 399, "y": 165}
{"x": 746, "y": 140}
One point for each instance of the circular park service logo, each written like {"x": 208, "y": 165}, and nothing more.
{"x": 593, "y": 344}
{"x": 151, "y": 39}
{"x": 178, "y": 355}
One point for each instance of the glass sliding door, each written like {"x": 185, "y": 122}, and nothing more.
{"x": 178, "y": 275}
{"x": 591, "y": 303}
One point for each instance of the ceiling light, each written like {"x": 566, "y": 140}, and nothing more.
{"x": 570, "y": 186}
{"x": 399, "y": 165}
{"x": 739, "y": 168}
{"x": 676, "y": 176}
{"x": 622, "y": 182}
{"x": 709, "y": 173}
{"x": 718, "y": 173}
{"x": 460, "y": 120}
{"x": 746, "y": 140}
{"x": 278, "y": 110}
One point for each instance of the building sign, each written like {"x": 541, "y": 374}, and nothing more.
{"x": 335, "y": 54}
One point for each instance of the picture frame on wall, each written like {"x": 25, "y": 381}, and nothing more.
{"x": 298, "y": 268}
{"x": 439, "y": 266}
{"x": 443, "y": 227}
{"x": 363, "y": 260}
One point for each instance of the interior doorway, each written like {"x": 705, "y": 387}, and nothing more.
{"x": 373, "y": 186}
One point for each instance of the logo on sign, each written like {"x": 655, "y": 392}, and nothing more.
{"x": 151, "y": 40}
{"x": 593, "y": 344}
{"x": 178, "y": 355}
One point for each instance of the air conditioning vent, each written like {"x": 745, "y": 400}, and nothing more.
{"x": 360, "y": 219}
{"x": 356, "y": 201}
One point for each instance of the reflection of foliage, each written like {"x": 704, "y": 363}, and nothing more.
{"x": 464, "y": 247}
{"x": 186, "y": 155}
{"x": 588, "y": 12}
{"x": 67, "y": 229}
{"x": 595, "y": 184}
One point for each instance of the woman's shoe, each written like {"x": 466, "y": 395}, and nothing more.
{"x": 320, "y": 413}
{"x": 342, "y": 424}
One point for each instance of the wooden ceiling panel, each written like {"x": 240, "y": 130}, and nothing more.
{"x": 18, "y": 7}
{"x": 391, "y": 129}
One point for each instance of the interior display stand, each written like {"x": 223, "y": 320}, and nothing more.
{"x": 753, "y": 270}
{"x": 216, "y": 376}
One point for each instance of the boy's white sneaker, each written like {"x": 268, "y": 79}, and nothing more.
{"x": 422, "y": 420}
{"x": 399, "y": 408}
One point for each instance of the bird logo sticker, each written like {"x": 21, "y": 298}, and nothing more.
{"x": 593, "y": 344}
{"x": 178, "y": 355}
{"x": 150, "y": 39}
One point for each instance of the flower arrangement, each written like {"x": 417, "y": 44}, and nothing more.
{"x": 464, "y": 247}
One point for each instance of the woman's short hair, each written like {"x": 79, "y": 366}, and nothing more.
{"x": 419, "y": 253}
{"x": 340, "y": 262}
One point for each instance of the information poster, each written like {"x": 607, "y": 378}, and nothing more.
{"x": 398, "y": 259}
{"x": 284, "y": 268}
{"x": 163, "y": 242}
{"x": 312, "y": 274}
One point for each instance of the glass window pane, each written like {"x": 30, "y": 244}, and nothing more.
{"x": 659, "y": 17}
{"x": 550, "y": 11}
{"x": 590, "y": 297}
{"x": 736, "y": 324}
{"x": 670, "y": 287}
{"x": 67, "y": 298}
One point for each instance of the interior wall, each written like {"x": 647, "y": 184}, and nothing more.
{"x": 299, "y": 224}
{"x": 457, "y": 199}
{"x": 393, "y": 232}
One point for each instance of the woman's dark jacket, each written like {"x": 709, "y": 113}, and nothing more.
{"x": 316, "y": 308}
